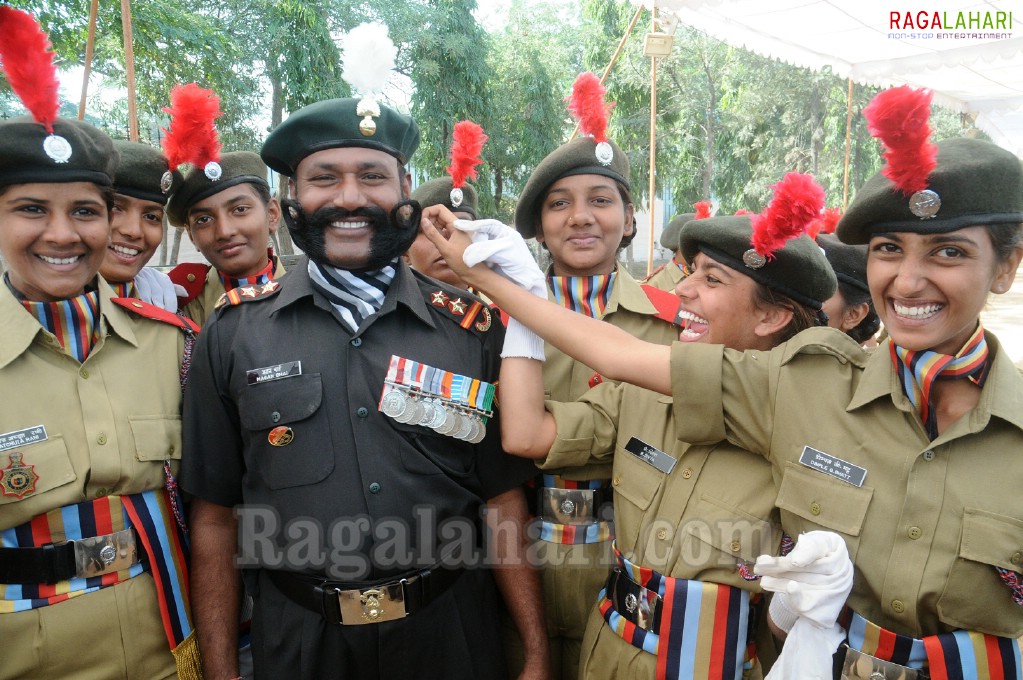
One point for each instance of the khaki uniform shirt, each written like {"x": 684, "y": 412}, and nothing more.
{"x": 203, "y": 306}
{"x": 666, "y": 278}
{"x": 931, "y": 520}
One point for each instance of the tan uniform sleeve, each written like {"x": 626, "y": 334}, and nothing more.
{"x": 586, "y": 428}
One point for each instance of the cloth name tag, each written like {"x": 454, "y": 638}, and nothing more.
{"x": 833, "y": 466}
{"x": 30, "y": 435}
{"x": 286, "y": 370}
{"x": 651, "y": 456}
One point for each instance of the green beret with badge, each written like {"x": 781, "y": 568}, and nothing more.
{"x": 438, "y": 192}
{"x": 771, "y": 248}
{"x": 236, "y": 167}
{"x": 69, "y": 151}
{"x": 848, "y": 261}
{"x": 929, "y": 188}
{"x": 670, "y": 234}
{"x": 143, "y": 172}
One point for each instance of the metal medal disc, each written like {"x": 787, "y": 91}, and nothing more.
{"x": 450, "y": 423}
{"x": 464, "y": 427}
{"x": 457, "y": 197}
{"x": 213, "y": 171}
{"x": 437, "y": 415}
{"x": 753, "y": 259}
{"x": 416, "y": 410}
{"x": 393, "y": 403}
{"x": 408, "y": 412}
{"x": 480, "y": 434}
{"x": 925, "y": 204}
{"x": 57, "y": 148}
{"x": 428, "y": 411}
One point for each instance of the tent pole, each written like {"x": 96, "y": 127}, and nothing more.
{"x": 848, "y": 136}
{"x": 653, "y": 143}
{"x": 614, "y": 57}
{"x": 129, "y": 63}
{"x": 89, "y": 45}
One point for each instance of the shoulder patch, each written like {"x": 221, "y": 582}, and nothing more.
{"x": 829, "y": 341}
{"x": 192, "y": 277}
{"x": 463, "y": 308}
{"x": 666, "y": 303}
{"x": 155, "y": 313}
{"x": 247, "y": 293}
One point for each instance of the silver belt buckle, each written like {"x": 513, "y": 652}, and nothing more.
{"x": 567, "y": 506}
{"x": 373, "y": 605}
{"x": 861, "y": 666}
{"x": 640, "y": 610}
{"x": 105, "y": 554}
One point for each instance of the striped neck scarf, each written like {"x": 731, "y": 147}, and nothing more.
{"x": 74, "y": 322}
{"x": 918, "y": 371}
{"x": 260, "y": 279}
{"x": 583, "y": 294}
{"x": 355, "y": 295}
{"x": 126, "y": 289}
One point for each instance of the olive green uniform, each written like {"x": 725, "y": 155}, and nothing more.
{"x": 110, "y": 422}
{"x": 202, "y": 307}
{"x": 666, "y": 277}
{"x": 932, "y": 519}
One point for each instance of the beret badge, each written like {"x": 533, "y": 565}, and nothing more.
{"x": 369, "y": 109}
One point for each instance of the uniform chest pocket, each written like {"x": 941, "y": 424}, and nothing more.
{"x": 974, "y": 597}
{"x": 721, "y": 535}
{"x": 430, "y": 453}
{"x": 634, "y": 480}
{"x": 821, "y": 502}
{"x": 30, "y": 471}
{"x": 156, "y": 437}
{"x": 289, "y": 436}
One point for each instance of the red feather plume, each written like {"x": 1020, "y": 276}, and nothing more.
{"x": 742, "y": 211}
{"x": 702, "y": 209}
{"x": 797, "y": 202}
{"x": 899, "y": 118}
{"x": 467, "y": 141}
{"x": 588, "y": 106}
{"x": 192, "y": 136}
{"x": 28, "y": 64}
{"x": 826, "y": 223}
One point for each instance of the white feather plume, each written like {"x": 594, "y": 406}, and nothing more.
{"x": 367, "y": 58}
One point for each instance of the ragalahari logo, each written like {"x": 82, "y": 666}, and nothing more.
{"x": 962, "y": 25}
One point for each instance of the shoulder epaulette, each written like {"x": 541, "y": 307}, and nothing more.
{"x": 151, "y": 311}
{"x": 464, "y": 308}
{"x": 666, "y": 303}
{"x": 824, "y": 340}
{"x": 192, "y": 277}
{"x": 653, "y": 273}
{"x": 236, "y": 296}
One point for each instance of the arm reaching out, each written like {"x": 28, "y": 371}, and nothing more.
{"x": 608, "y": 350}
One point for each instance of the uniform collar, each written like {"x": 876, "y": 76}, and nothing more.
{"x": 628, "y": 294}
{"x": 19, "y": 329}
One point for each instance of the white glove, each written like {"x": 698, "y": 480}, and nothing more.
{"x": 519, "y": 341}
{"x": 811, "y": 585}
{"x": 504, "y": 251}
{"x": 156, "y": 288}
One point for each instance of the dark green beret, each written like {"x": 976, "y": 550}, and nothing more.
{"x": 438, "y": 192}
{"x": 577, "y": 157}
{"x": 849, "y": 262}
{"x": 237, "y": 167}
{"x": 332, "y": 124}
{"x": 977, "y": 183}
{"x": 24, "y": 159}
{"x": 143, "y": 172}
{"x": 669, "y": 237}
{"x": 798, "y": 270}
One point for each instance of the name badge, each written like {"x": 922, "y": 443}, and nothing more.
{"x": 833, "y": 466}
{"x": 288, "y": 369}
{"x": 651, "y": 456}
{"x": 30, "y": 435}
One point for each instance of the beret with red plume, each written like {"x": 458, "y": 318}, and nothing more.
{"x": 467, "y": 143}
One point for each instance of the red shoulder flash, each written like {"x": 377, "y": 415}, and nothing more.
{"x": 666, "y": 303}
{"x": 651, "y": 274}
{"x": 155, "y": 313}
{"x": 192, "y": 277}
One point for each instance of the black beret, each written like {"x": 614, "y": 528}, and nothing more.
{"x": 577, "y": 157}
{"x": 977, "y": 183}
{"x": 798, "y": 270}
{"x": 438, "y": 192}
{"x": 848, "y": 261}
{"x": 142, "y": 171}
{"x": 332, "y": 124}
{"x": 236, "y": 167}
{"x": 24, "y": 160}
{"x": 669, "y": 237}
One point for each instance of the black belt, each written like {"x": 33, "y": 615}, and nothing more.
{"x": 350, "y": 604}
{"x": 73, "y": 559}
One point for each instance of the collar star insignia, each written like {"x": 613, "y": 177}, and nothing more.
{"x": 269, "y": 287}
{"x": 457, "y": 306}
{"x": 18, "y": 479}
{"x": 249, "y": 291}
{"x": 438, "y": 299}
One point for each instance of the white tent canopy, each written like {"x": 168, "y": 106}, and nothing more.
{"x": 976, "y": 68}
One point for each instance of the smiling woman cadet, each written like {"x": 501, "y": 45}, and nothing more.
{"x": 908, "y": 453}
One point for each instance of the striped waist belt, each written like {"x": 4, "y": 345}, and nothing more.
{"x": 570, "y": 511}
{"x": 694, "y": 628}
{"x": 947, "y": 656}
{"x": 81, "y": 558}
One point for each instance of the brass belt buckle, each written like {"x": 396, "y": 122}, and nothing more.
{"x": 861, "y": 666}
{"x": 105, "y": 554}
{"x": 567, "y": 506}
{"x": 638, "y": 609}
{"x": 373, "y": 605}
